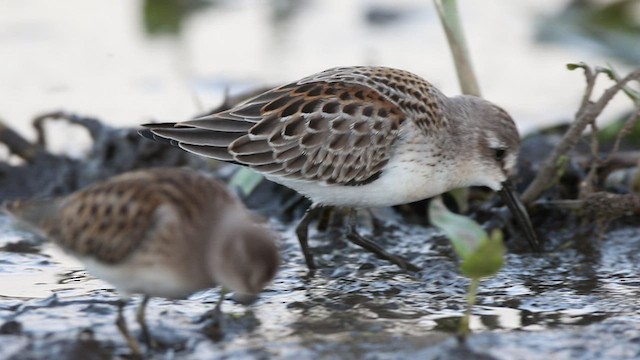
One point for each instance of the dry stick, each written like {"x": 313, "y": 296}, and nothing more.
{"x": 93, "y": 126}
{"x": 17, "y": 144}
{"x": 631, "y": 93}
{"x": 630, "y": 123}
{"x": 626, "y": 129}
{"x": 588, "y": 183}
{"x": 596, "y": 162}
{"x": 38, "y": 124}
{"x": 587, "y": 113}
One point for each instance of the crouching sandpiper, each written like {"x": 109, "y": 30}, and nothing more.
{"x": 163, "y": 232}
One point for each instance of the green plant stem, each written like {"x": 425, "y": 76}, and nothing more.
{"x": 471, "y": 300}
{"x": 450, "y": 20}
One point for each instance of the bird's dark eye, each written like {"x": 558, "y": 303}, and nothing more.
{"x": 500, "y": 153}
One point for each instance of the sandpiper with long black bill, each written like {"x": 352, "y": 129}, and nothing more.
{"x": 361, "y": 137}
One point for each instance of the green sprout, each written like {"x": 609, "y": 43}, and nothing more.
{"x": 246, "y": 179}
{"x": 480, "y": 255}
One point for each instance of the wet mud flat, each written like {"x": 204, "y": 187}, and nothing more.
{"x": 578, "y": 298}
{"x": 570, "y": 302}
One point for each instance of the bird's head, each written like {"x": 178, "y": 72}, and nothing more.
{"x": 489, "y": 145}
{"x": 488, "y": 140}
{"x": 245, "y": 260}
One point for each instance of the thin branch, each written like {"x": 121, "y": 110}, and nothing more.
{"x": 38, "y": 124}
{"x": 631, "y": 122}
{"x": 591, "y": 81}
{"x": 589, "y": 181}
{"x": 586, "y": 115}
{"x": 18, "y": 145}
{"x": 634, "y": 95}
{"x": 94, "y": 126}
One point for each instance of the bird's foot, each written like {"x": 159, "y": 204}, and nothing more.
{"x": 121, "y": 323}
{"x": 371, "y": 246}
{"x": 213, "y": 324}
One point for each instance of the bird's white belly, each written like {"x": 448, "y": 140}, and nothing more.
{"x": 152, "y": 279}
{"x": 400, "y": 183}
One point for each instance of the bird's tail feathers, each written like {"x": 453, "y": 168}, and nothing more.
{"x": 36, "y": 214}
{"x": 147, "y": 133}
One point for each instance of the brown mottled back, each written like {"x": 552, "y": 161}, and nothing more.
{"x": 111, "y": 219}
{"x": 417, "y": 98}
{"x": 337, "y": 126}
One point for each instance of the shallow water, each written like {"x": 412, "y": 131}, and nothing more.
{"x": 561, "y": 304}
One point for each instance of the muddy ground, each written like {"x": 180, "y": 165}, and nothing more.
{"x": 566, "y": 303}
{"x": 578, "y": 298}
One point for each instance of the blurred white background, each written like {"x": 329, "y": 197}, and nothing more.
{"x": 120, "y": 61}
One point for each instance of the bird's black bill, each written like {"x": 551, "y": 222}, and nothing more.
{"x": 518, "y": 210}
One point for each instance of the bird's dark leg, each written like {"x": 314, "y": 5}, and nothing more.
{"x": 369, "y": 245}
{"x": 215, "y": 314}
{"x": 217, "y": 310}
{"x": 377, "y": 223}
{"x": 302, "y": 230}
{"x": 121, "y": 323}
{"x": 140, "y": 317}
{"x": 324, "y": 219}
{"x": 215, "y": 317}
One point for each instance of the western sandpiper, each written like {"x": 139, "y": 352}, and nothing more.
{"x": 163, "y": 232}
{"x": 361, "y": 137}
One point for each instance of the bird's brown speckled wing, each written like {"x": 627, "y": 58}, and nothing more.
{"x": 337, "y": 126}
{"x": 110, "y": 220}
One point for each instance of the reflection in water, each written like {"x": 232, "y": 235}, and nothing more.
{"x": 345, "y": 305}
{"x": 73, "y": 276}
{"x": 38, "y": 275}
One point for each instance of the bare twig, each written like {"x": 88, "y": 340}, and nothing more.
{"x": 38, "y": 124}
{"x": 607, "y": 206}
{"x": 634, "y": 95}
{"x": 94, "y": 126}
{"x": 588, "y": 183}
{"x": 587, "y": 114}
{"x": 633, "y": 118}
{"x": 596, "y": 161}
{"x": 17, "y": 144}
{"x": 591, "y": 82}
{"x": 599, "y": 205}
{"x": 630, "y": 123}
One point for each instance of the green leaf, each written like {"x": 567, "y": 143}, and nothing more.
{"x": 465, "y": 234}
{"x": 461, "y": 196}
{"x": 487, "y": 259}
{"x": 480, "y": 254}
{"x": 573, "y": 66}
{"x": 246, "y": 179}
